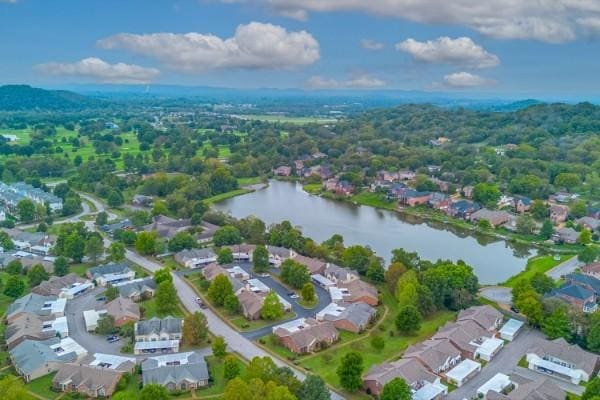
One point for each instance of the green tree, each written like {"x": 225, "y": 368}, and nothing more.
{"x": 26, "y": 210}
{"x": 396, "y": 389}
{"x": 162, "y": 275}
{"x": 592, "y": 389}
{"x": 94, "y": 247}
{"x": 106, "y": 325}
{"x": 557, "y": 324}
{"x": 308, "y": 293}
{"x": 115, "y": 199}
{"x": 567, "y": 181}
{"x": 375, "y": 271}
{"x": 357, "y": 258}
{"x": 393, "y": 273}
{"x": 486, "y": 193}
{"x": 377, "y": 343}
{"x": 408, "y": 320}
{"x": 546, "y": 230}
{"x": 116, "y": 251}
{"x": 166, "y": 298}
{"x": 101, "y": 218}
{"x": 219, "y": 347}
{"x": 260, "y": 259}
{"x": 585, "y": 237}
{"x": 525, "y": 225}
{"x": 588, "y": 255}
{"x": 159, "y": 208}
{"x": 445, "y": 280}
{"x": 36, "y": 275}
{"x": 237, "y": 389}
{"x": 181, "y": 241}
{"x": 272, "y": 308}
{"x": 225, "y": 256}
{"x": 578, "y": 209}
{"x": 262, "y": 368}
{"x": 145, "y": 243}
{"x": 219, "y": 289}
{"x": 350, "y": 371}
{"x": 593, "y": 334}
{"x": 195, "y": 329}
{"x": 227, "y": 235}
{"x": 408, "y": 259}
{"x": 539, "y": 210}
{"x": 6, "y": 242}
{"x": 14, "y": 267}
{"x": 153, "y": 391}
{"x": 542, "y": 283}
{"x": 232, "y": 304}
{"x": 61, "y": 266}
{"x": 14, "y": 287}
{"x": 111, "y": 293}
{"x": 313, "y": 388}
{"x": 231, "y": 368}
{"x": 12, "y": 388}
{"x": 294, "y": 274}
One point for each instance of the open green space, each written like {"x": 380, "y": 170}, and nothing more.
{"x": 539, "y": 264}
{"x": 313, "y": 188}
{"x": 150, "y": 310}
{"x": 250, "y": 181}
{"x": 43, "y": 387}
{"x": 225, "y": 196}
{"x": 373, "y": 200}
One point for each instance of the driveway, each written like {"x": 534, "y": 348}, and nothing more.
{"x": 497, "y": 294}
{"x": 565, "y": 268}
{"x": 505, "y": 362}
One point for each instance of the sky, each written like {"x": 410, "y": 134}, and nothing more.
{"x": 517, "y": 47}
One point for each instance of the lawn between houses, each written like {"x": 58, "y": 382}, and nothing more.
{"x": 236, "y": 320}
{"x": 324, "y": 363}
{"x": 539, "y": 264}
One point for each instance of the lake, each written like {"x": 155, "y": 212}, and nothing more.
{"x": 493, "y": 260}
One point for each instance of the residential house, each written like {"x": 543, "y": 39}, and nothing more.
{"x": 67, "y": 286}
{"x": 167, "y": 227}
{"x": 242, "y": 252}
{"x": 314, "y": 266}
{"x": 443, "y": 186}
{"x": 439, "y": 201}
{"x": 485, "y": 316}
{"x": 110, "y": 273}
{"x": 522, "y": 204}
{"x": 528, "y": 389}
{"x": 238, "y": 272}
{"x": 306, "y": 335}
{"x": 195, "y": 258}
{"x": 438, "y": 356}
{"x": 33, "y": 327}
{"x": 86, "y": 380}
{"x": 360, "y": 291}
{"x": 322, "y": 281}
{"x": 464, "y": 371}
{"x": 283, "y": 170}
{"x": 406, "y": 175}
{"x": 176, "y": 372}
{"x": 354, "y": 317}
{"x": 558, "y": 213}
{"x": 577, "y": 296}
{"x": 40, "y": 242}
{"x": 251, "y": 304}
{"x": 565, "y": 235}
{"x": 587, "y": 281}
{"x": 593, "y": 224}
{"x": 505, "y": 201}
{"x": 33, "y": 359}
{"x": 413, "y": 198}
{"x": 462, "y": 209}
{"x": 563, "y": 197}
{"x": 137, "y": 289}
{"x": 12, "y": 194}
{"x": 511, "y": 329}
{"x": 563, "y": 360}
{"x": 91, "y": 319}
{"x": 408, "y": 369}
{"x": 467, "y": 191}
{"x": 592, "y": 269}
{"x": 140, "y": 200}
{"x": 471, "y": 339}
{"x": 42, "y": 306}
{"x": 123, "y": 310}
{"x": 155, "y": 329}
{"x": 211, "y": 271}
{"x": 110, "y": 361}
{"x": 494, "y": 217}
{"x": 208, "y": 232}
{"x": 277, "y": 255}
{"x": 338, "y": 274}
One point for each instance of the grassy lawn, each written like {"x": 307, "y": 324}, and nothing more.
{"x": 150, "y": 311}
{"x": 41, "y": 387}
{"x": 313, "y": 188}
{"x": 535, "y": 265}
{"x": 373, "y": 200}
{"x": 250, "y": 181}
{"x": 225, "y": 196}
{"x": 215, "y": 368}
{"x": 242, "y": 324}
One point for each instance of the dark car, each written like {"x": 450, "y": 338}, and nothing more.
{"x": 514, "y": 309}
{"x": 101, "y": 298}
{"x": 113, "y": 338}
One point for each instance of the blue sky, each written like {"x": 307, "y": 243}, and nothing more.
{"x": 500, "y": 46}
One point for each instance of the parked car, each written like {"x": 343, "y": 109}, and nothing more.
{"x": 264, "y": 275}
{"x": 101, "y": 298}
{"x": 514, "y": 309}
{"x": 113, "y": 338}
{"x": 294, "y": 296}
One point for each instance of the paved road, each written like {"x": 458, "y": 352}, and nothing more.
{"x": 498, "y": 294}
{"x": 564, "y": 268}
{"x": 505, "y": 362}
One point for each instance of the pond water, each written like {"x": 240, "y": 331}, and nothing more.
{"x": 493, "y": 260}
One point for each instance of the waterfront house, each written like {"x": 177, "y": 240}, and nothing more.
{"x": 522, "y": 204}
{"x": 462, "y": 209}
{"x": 561, "y": 359}
{"x": 439, "y": 201}
{"x": 413, "y": 198}
{"x": 577, "y": 296}
{"x": 277, "y": 255}
{"x": 494, "y": 217}
{"x": 359, "y": 291}
{"x": 593, "y": 224}
{"x": 314, "y": 265}
{"x": 565, "y": 235}
{"x": 485, "y": 316}
{"x": 283, "y": 170}
{"x": 558, "y": 213}
{"x": 338, "y": 274}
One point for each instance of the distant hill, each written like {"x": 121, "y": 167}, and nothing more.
{"x": 25, "y": 98}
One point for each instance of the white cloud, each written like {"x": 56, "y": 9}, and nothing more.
{"x": 101, "y": 71}
{"x": 465, "y": 80}
{"x": 254, "y": 46}
{"x": 444, "y": 50}
{"x": 553, "y": 21}
{"x": 362, "y": 81}
{"x": 371, "y": 44}
{"x": 590, "y": 25}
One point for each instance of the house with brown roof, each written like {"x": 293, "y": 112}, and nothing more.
{"x": 306, "y": 337}
{"x": 592, "y": 270}
{"x": 494, "y": 217}
{"x": 123, "y": 310}
{"x": 354, "y": 317}
{"x": 86, "y": 380}
{"x": 485, "y": 316}
{"x": 28, "y": 326}
{"x": 57, "y": 284}
{"x": 561, "y": 359}
{"x": 529, "y": 389}
{"x": 283, "y": 170}
{"x": 167, "y": 227}
{"x": 211, "y": 271}
{"x": 558, "y": 213}
{"x": 314, "y": 265}
{"x": 471, "y": 339}
{"x": 360, "y": 291}
{"x": 438, "y": 356}
{"x": 409, "y": 369}
{"x": 251, "y": 304}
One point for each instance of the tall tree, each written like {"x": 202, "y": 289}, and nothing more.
{"x": 61, "y": 266}
{"x": 153, "y": 391}
{"x": 219, "y": 289}
{"x": 116, "y": 251}
{"x": 195, "y": 329}
{"x": 260, "y": 259}
{"x": 408, "y": 320}
{"x": 225, "y": 256}
{"x": 94, "y": 247}
{"x": 314, "y": 388}
{"x": 36, "y": 275}
{"x": 557, "y": 324}
{"x": 272, "y": 308}
{"x": 26, "y": 210}
{"x": 231, "y": 367}
{"x": 166, "y": 298}
{"x": 396, "y": 389}
{"x": 350, "y": 371}
{"x": 219, "y": 347}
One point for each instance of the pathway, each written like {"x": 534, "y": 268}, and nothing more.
{"x": 565, "y": 268}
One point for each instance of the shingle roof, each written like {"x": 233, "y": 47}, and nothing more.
{"x": 92, "y": 378}
{"x": 168, "y": 325}
{"x": 123, "y": 307}
{"x": 485, "y": 315}
{"x": 111, "y": 268}
{"x": 30, "y": 354}
{"x": 53, "y": 286}
{"x": 137, "y": 286}
{"x": 575, "y": 291}
{"x": 433, "y": 353}
{"x": 408, "y": 369}
{"x": 559, "y": 348}
{"x": 193, "y": 368}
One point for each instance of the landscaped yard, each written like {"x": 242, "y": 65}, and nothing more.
{"x": 42, "y": 387}
{"x": 215, "y": 368}
{"x": 373, "y": 200}
{"x": 150, "y": 311}
{"x": 540, "y": 264}
{"x": 225, "y": 196}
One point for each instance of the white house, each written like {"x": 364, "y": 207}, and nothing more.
{"x": 511, "y": 329}
{"x": 463, "y": 372}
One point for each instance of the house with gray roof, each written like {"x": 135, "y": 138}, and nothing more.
{"x": 158, "y": 329}
{"x": 577, "y": 296}
{"x": 337, "y": 274}
{"x": 167, "y": 227}
{"x": 111, "y": 273}
{"x": 63, "y": 286}
{"x": 195, "y": 258}
{"x": 529, "y": 389}
{"x": 137, "y": 289}
{"x": 181, "y": 371}
{"x": 485, "y": 316}
{"x": 354, "y": 317}
{"x": 561, "y": 359}
{"x": 32, "y": 303}
{"x": 33, "y": 359}
{"x": 438, "y": 356}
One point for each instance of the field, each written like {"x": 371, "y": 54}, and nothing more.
{"x": 290, "y": 120}
{"x": 535, "y": 265}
